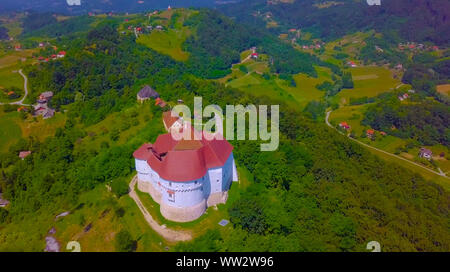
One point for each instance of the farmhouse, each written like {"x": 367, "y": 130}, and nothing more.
{"x": 46, "y": 96}
{"x": 61, "y": 54}
{"x": 370, "y": 133}
{"x": 22, "y": 108}
{"x": 3, "y": 202}
{"x": 42, "y": 108}
{"x": 255, "y": 55}
{"x": 146, "y": 93}
{"x": 344, "y": 125}
{"x": 186, "y": 176}
{"x": 351, "y": 64}
{"x": 425, "y": 153}
{"x": 24, "y": 154}
{"x": 403, "y": 97}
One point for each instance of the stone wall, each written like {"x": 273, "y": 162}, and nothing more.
{"x": 143, "y": 186}
{"x": 183, "y": 214}
{"x": 147, "y": 187}
{"x": 217, "y": 198}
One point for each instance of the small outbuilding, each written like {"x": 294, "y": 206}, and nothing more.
{"x": 24, "y": 154}
{"x": 425, "y": 153}
{"x": 146, "y": 93}
{"x": 3, "y": 202}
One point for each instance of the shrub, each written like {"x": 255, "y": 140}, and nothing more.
{"x": 124, "y": 242}
{"x": 119, "y": 187}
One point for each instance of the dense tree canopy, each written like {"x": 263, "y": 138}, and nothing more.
{"x": 413, "y": 20}
{"x": 427, "y": 121}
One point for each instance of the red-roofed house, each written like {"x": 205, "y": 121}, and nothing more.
{"x": 61, "y": 54}
{"x": 24, "y": 154}
{"x": 352, "y": 64}
{"x": 344, "y": 125}
{"x": 3, "y": 202}
{"x": 22, "y": 108}
{"x": 185, "y": 176}
{"x": 255, "y": 55}
{"x": 370, "y": 133}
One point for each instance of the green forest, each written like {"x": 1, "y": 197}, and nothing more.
{"x": 426, "y": 121}
{"x": 410, "y": 19}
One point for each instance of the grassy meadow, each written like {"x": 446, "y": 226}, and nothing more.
{"x": 369, "y": 81}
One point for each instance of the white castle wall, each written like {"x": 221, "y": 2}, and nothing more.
{"x": 191, "y": 198}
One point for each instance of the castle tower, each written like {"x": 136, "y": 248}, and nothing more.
{"x": 186, "y": 176}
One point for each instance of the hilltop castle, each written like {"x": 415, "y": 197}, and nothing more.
{"x": 186, "y": 176}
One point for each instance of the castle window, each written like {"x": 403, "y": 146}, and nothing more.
{"x": 217, "y": 180}
{"x": 195, "y": 182}
{"x": 171, "y": 195}
{"x": 170, "y": 184}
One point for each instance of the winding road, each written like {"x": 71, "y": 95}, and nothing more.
{"x": 382, "y": 151}
{"x": 166, "y": 233}
{"x": 25, "y": 87}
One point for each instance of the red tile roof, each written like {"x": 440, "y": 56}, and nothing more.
{"x": 143, "y": 152}
{"x": 24, "y": 154}
{"x": 370, "y": 131}
{"x": 168, "y": 119}
{"x": 344, "y": 124}
{"x": 184, "y": 160}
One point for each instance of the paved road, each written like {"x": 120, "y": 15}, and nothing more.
{"x": 387, "y": 153}
{"x": 25, "y": 87}
{"x": 168, "y": 234}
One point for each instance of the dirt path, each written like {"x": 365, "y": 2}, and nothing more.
{"x": 382, "y": 151}
{"x": 168, "y": 234}
{"x": 25, "y": 87}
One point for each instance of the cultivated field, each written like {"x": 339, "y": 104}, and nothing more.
{"x": 443, "y": 89}
{"x": 369, "y": 81}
